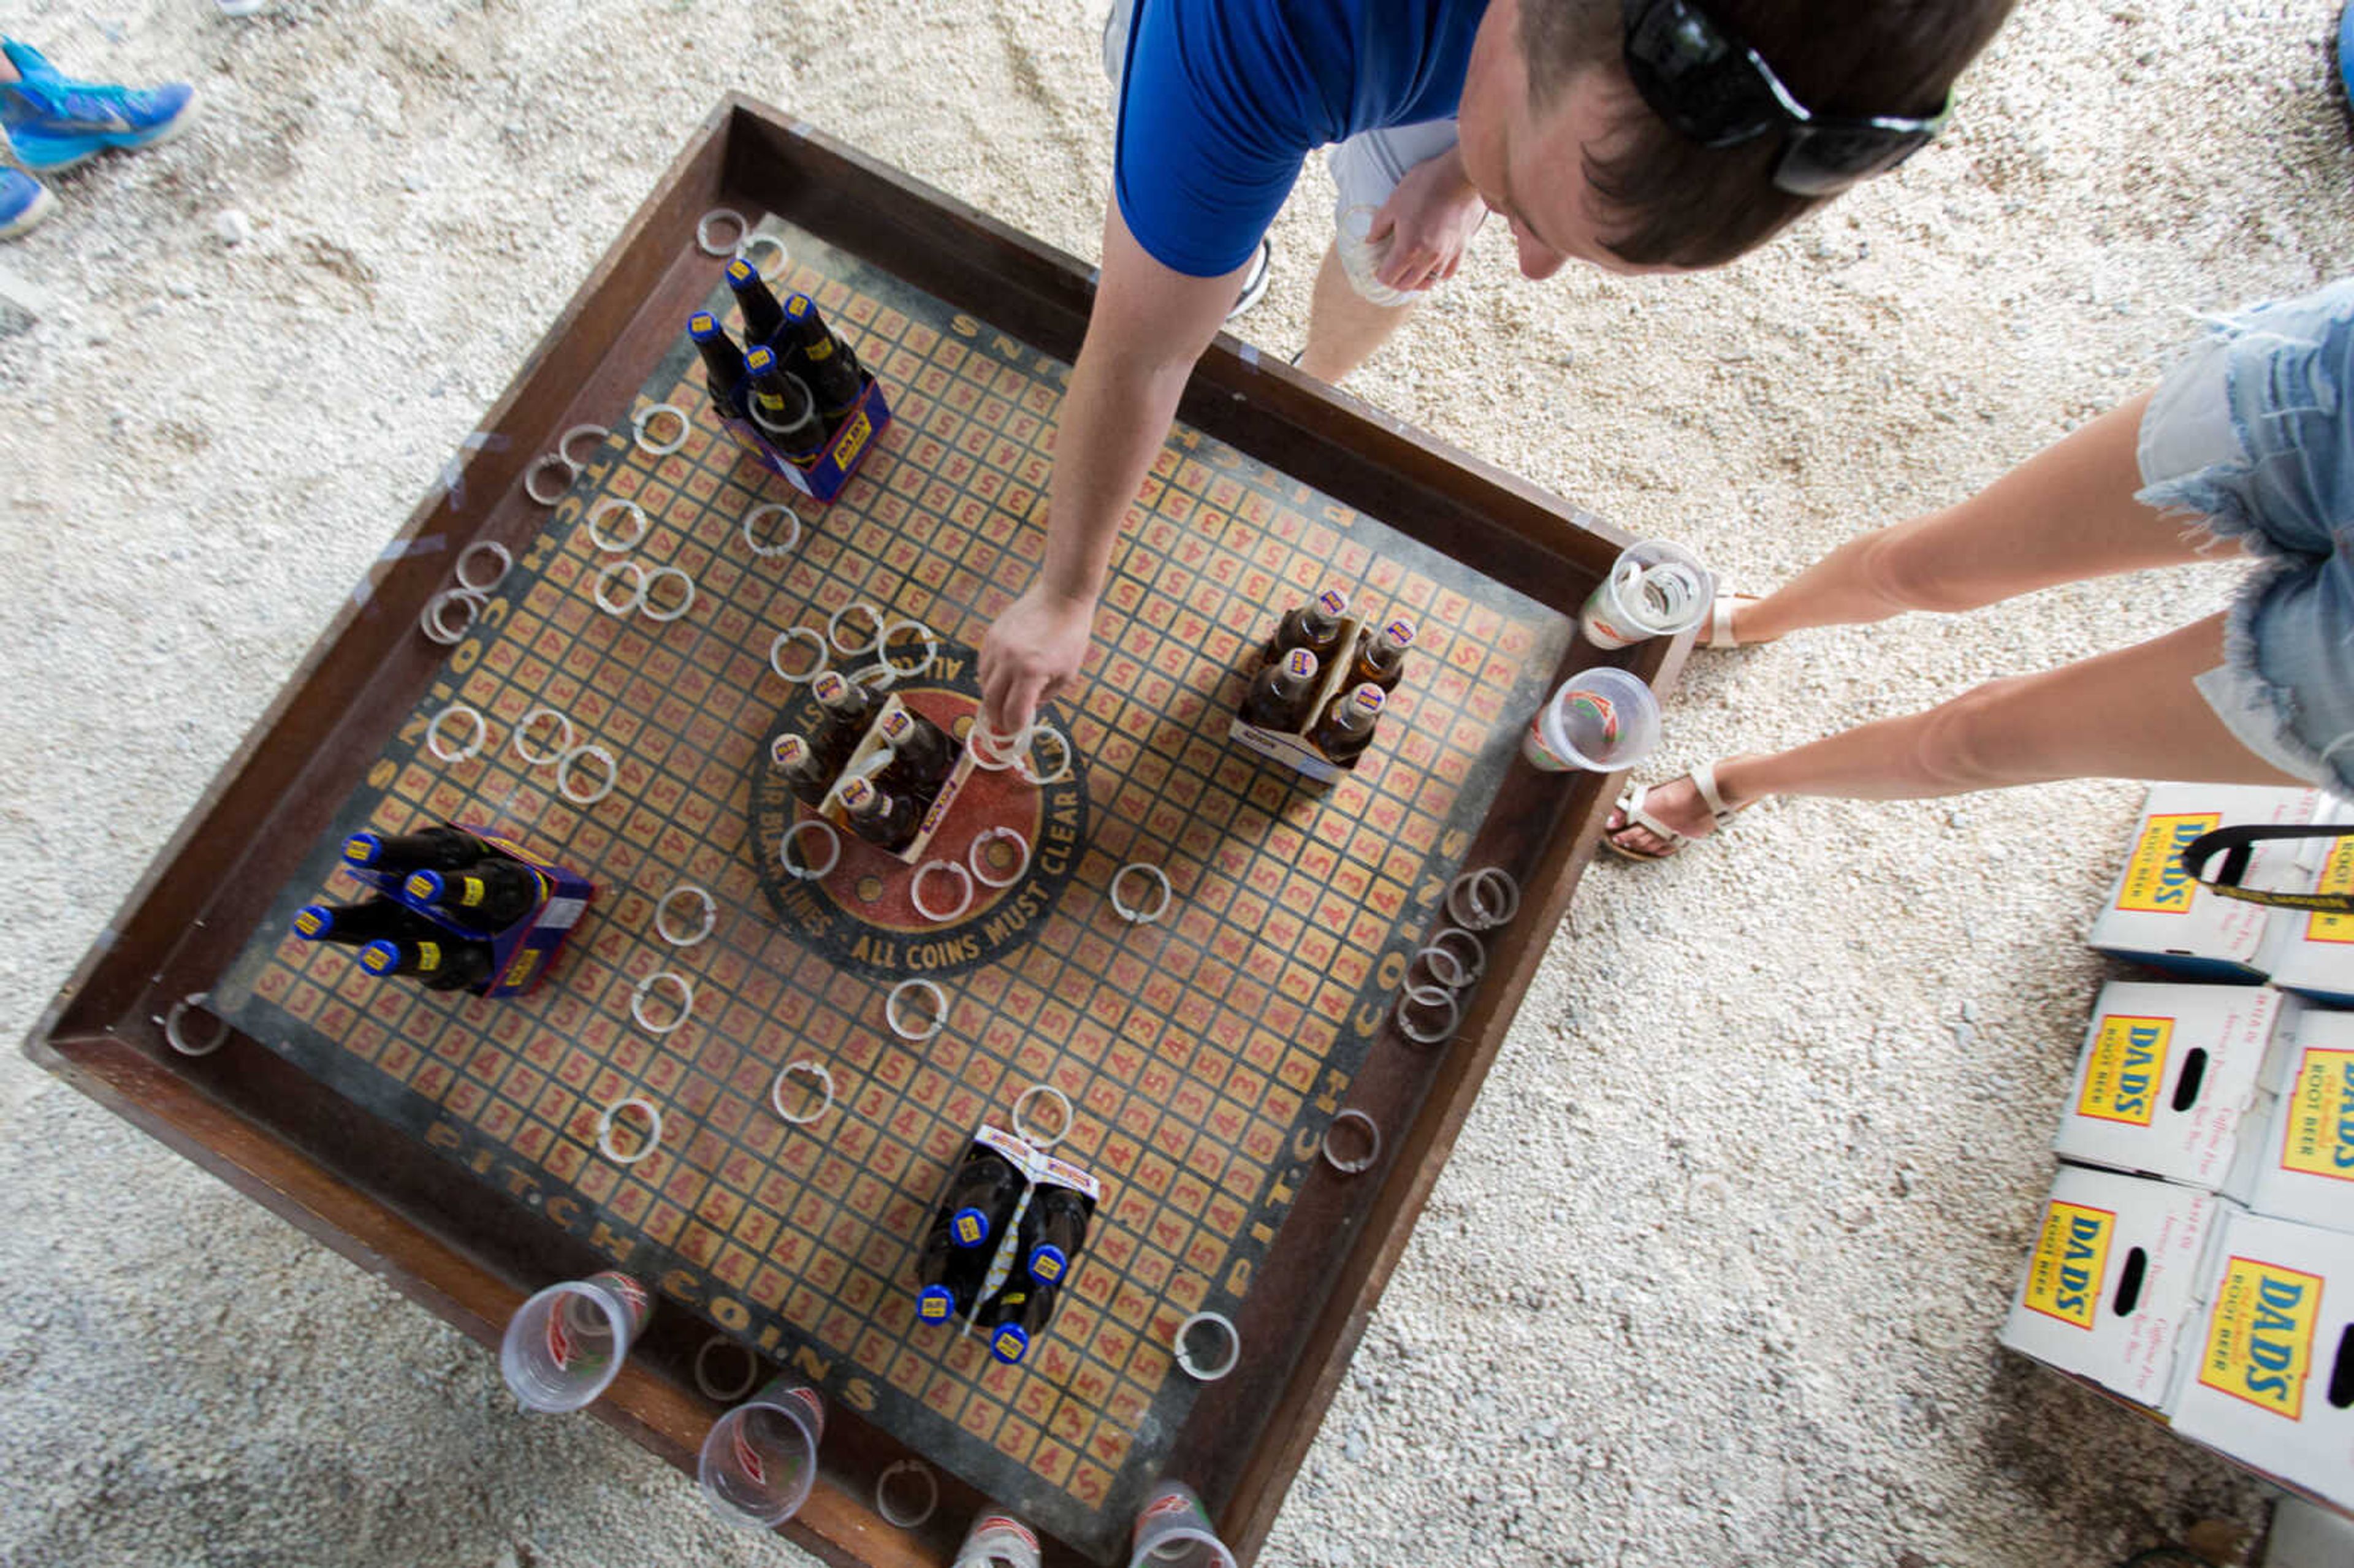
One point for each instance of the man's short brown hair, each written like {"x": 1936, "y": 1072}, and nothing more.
{"x": 1670, "y": 201}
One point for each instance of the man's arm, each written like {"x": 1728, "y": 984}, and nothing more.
{"x": 1148, "y": 326}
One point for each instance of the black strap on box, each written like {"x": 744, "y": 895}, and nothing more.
{"x": 2236, "y": 844}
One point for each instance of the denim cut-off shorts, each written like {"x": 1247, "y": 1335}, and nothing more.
{"x": 2253, "y": 432}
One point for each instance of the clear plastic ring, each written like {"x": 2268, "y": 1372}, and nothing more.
{"x": 752, "y": 242}
{"x": 1443, "y": 967}
{"x": 1035, "y": 1139}
{"x": 988, "y": 836}
{"x": 992, "y": 751}
{"x": 677, "y": 938}
{"x": 1129, "y": 912}
{"x": 1028, "y": 769}
{"x": 711, "y": 1390}
{"x": 716, "y": 217}
{"x": 473, "y": 748}
{"x": 429, "y": 619}
{"x": 177, "y": 1014}
{"x": 817, "y": 640}
{"x": 1214, "y": 1364}
{"x": 555, "y": 754}
{"x": 1430, "y": 997}
{"x": 637, "y": 588}
{"x": 806, "y": 1067}
{"x": 916, "y": 891}
{"x": 908, "y": 1518}
{"x": 564, "y": 444}
{"x": 605, "y": 1117}
{"x": 1474, "y": 961}
{"x": 606, "y": 542}
{"x": 808, "y": 870}
{"x": 931, "y": 649}
{"x": 646, "y": 597}
{"x": 1508, "y": 897}
{"x": 541, "y": 465}
{"x": 1355, "y": 1164}
{"x": 834, "y": 629}
{"x": 564, "y": 764}
{"x": 792, "y": 523}
{"x": 679, "y": 983}
{"x": 907, "y": 988}
{"x": 502, "y": 561}
{"x": 876, "y": 678}
{"x": 643, "y": 422}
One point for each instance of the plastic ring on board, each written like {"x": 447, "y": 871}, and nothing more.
{"x": 1037, "y": 1139}
{"x": 502, "y": 559}
{"x": 876, "y": 678}
{"x": 637, "y": 588}
{"x": 1430, "y": 997}
{"x": 912, "y": 1516}
{"x": 643, "y": 423}
{"x": 473, "y": 748}
{"x": 808, "y": 1068}
{"x": 992, "y": 751}
{"x": 776, "y": 651}
{"x": 711, "y": 1390}
{"x": 646, "y": 597}
{"x": 792, "y": 525}
{"x": 931, "y": 649}
{"x": 1355, "y": 1164}
{"x": 429, "y": 621}
{"x": 982, "y": 840}
{"x": 1028, "y": 771}
{"x": 1129, "y": 912}
{"x": 751, "y": 242}
{"x": 1218, "y": 1362}
{"x": 605, "y": 1117}
{"x": 906, "y": 988}
{"x": 564, "y": 444}
{"x": 606, "y": 542}
{"x": 834, "y": 629}
{"x": 1443, "y": 967}
{"x": 548, "y": 757}
{"x": 564, "y": 766}
{"x": 176, "y": 1014}
{"x": 712, "y": 219}
{"x": 1507, "y": 901}
{"x": 541, "y": 464}
{"x": 808, "y": 870}
{"x": 916, "y": 890}
{"x": 679, "y": 983}
{"x": 1475, "y": 963}
{"x": 676, "y": 938}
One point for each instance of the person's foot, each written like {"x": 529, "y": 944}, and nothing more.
{"x": 24, "y": 202}
{"x": 54, "y": 123}
{"x": 1652, "y": 823}
{"x": 1255, "y": 280}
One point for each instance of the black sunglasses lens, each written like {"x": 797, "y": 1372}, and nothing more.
{"x": 1695, "y": 78}
{"x": 1823, "y": 158}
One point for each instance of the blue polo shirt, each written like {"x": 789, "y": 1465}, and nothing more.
{"x": 1225, "y": 99}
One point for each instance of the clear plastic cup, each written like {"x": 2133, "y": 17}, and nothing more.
{"x": 565, "y": 1346}
{"x": 1361, "y": 256}
{"x": 760, "y": 1459}
{"x": 1653, "y": 589}
{"x": 998, "y": 1540}
{"x": 1173, "y": 1531}
{"x": 1601, "y": 720}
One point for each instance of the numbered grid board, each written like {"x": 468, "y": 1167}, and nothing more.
{"x": 1205, "y": 1052}
{"x": 1200, "y": 1051}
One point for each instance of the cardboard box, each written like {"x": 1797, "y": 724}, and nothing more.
{"x": 1291, "y": 746}
{"x": 2170, "y": 1082}
{"x": 2267, "y": 1373}
{"x": 2304, "y": 1169}
{"x": 2158, "y": 914}
{"x": 2310, "y": 953}
{"x": 1039, "y": 1169}
{"x": 522, "y": 955}
{"x": 823, "y": 477}
{"x": 2111, "y": 1279}
{"x": 867, "y": 755}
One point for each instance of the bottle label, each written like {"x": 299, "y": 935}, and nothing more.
{"x": 1333, "y": 602}
{"x": 791, "y": 751}
{"x": 829, "y": 687}
{"x": 896, "y": 725}
{"x": 1367, "y": 700}
{"x": 856, "y": 793}
{"x": 821, "y": 349}
{"x": 472, "y": 891}
{"x": 1399, "y": 634}
{"x": 428, "y": 956}
{"x": 1299, "y": 664}
{"x": 310, "y": 922}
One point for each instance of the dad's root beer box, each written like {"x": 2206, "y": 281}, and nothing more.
{"x": 2303, "y": 1168}
{"x": 2308, "y": 951}
{"x": 523, "y": 951}
{"x": 2170, "y": 1082}
{"x": 2157, "y": 914}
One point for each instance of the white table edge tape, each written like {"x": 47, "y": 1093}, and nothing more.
{"x": 893, "y": 1517}
{"x": 814, "y": 872}
{"x": 497, "y": 552}
{"x": 1185, "y": 1360}
{"x": 703, "y": 1376}
{"x": 605, "y": 1119}
{"x": 643, "y": 421}
{"x": 180, "y": 1010}
{"x": 1039, "y": 1140}
{"x": 833, "y": 628}
{"x": 771, "y": 551}
{"x": 905, "y": 987}
{"x": 646, "y": 595}
{"x": 710, "y": 915}
{"x": 603, "y": 541}
{"x": 988, "y": 836}
{"x": 645, "y": 989}
{"x": 473, "y": 748}
{"x": 1120, "y": 906}
{"x": 564, "y": 774}
{"x": 809, "y": 1066}
{"x": 916, "y": 890}
{"x": 824, "y": 654}
{"x": 1363, "y": 1162}
{"x": 548, "y": 759}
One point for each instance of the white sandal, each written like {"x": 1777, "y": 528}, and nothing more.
{"x": 1631, "y": 814}
{"x": 1720, "y": 620}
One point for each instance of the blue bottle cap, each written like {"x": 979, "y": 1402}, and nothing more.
{"x": 759, "y": 361}
{"x": 935, "y": 1303}
{"x": 742, "y": 274}
{"x": 797, "y": 307}
{"x": 364, "y": 848}
{"x": 379, "y": 957}
{"x": 1009, "y": 1344}
{"x": 968, "y": 1227}
{"x": 703, "y": 326}
{"x": 313, "y": 922}
{"x": 429, "y": 886}
{"x": 1047, "y": 1263}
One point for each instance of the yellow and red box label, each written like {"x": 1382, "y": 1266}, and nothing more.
{"x": 2154, "y": 882}
{"x": 2318, "y": 1116}
{"x": 2126, "y": 1070}
{"x": 2259, "y": 1335}
{"x": 2063, "y": 1277}
{"x": 2337, "y": 876}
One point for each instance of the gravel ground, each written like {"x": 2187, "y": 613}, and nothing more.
{"x": 1713, "y": 1274}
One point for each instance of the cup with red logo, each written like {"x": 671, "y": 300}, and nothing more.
{"x": 1653, "y": 589}
{"x": 564, "y": 1347}
{"x": 760, "y": 1458}
{"x": 1173, "y": 1531}
{"x": 1600, "y": 719}
{"x": 998, "y": 1539}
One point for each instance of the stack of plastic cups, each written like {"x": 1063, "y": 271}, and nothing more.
{"x": 998, "y": 1540}
{"x": 760, "y": 1459}
{"x": 1653, "y": 589}
{"x": 565, "y": 1346}
{"x": 1173, "y": 1531}
{"x": 1362, "y": 256}
{"x": 1601, "y": 720}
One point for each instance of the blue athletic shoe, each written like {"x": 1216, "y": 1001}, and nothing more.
{"x": 24, "y": 202}
{"x": 54, "y": 123}
{"x": 2346, "y": 51}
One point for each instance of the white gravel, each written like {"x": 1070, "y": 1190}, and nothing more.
{"x": 1713, "y": 1274}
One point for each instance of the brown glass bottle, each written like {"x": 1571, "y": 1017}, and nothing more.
{"x": 798, "y": 764}
{"x": 488, "y": 896}
{"x": 1315, "y": 626}
{"x": 763, "y": 317}
{"x": 844, "y": 710}
{"x": 443, "y": 962}
{"x": 921, "y": 754}
{"x": 1280, "y": 694}
{"x": 885, "y": 820}
{"x": 1381, "y": 655}
{"x": 817, "y": 354}
{"x": 781, "y": 409}
{"x": 428, "y": 849}
{"x": 1346, "y": 728}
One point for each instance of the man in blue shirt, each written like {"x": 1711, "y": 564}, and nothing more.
{"x": 1635, "y": 135}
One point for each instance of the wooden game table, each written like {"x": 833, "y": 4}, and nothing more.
{"x": 449, "y": 1144}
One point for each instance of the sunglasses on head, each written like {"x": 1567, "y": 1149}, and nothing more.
{"x": 1698, "y": 76}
